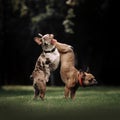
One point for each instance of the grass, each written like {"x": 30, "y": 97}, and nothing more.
{"x": 94, "y": 103}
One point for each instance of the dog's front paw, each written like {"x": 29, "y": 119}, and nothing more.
{"x": 53, "y": 41}
{"x": 46, "y": 80}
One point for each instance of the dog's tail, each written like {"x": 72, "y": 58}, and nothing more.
{"x": 31, "y": 77}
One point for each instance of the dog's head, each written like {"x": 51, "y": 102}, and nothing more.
{"x": 87, "y": 79}
{"x": 45, "y": 41}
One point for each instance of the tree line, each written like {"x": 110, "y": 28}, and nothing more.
{"x": 84, "y": 24}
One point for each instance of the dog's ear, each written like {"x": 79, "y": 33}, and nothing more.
{"x": 82, "y": 73}
{"x": 80, "y": 70}
{"x": 51, "y": 36}
{"x": 38, "y": 40}
{"x": 88, "y": 70}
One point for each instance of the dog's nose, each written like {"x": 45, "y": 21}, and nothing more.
{"x": 45, "y": 44}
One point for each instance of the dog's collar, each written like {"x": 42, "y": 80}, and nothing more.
{"x": 50, "y": 50}
{"x": 80, "y": 80}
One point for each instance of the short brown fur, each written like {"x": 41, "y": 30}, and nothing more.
{"x": 69, "y": 74}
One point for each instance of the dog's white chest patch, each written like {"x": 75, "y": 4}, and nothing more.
{"x": 54, "y": 58}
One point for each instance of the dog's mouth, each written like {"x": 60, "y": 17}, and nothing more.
{"x": 47, "y": 47}
{"x": 95, "y": 81}
{"x": 46, "y": 44}
{"x": 90, "y": 82}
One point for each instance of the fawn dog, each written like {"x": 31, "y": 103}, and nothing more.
{"x": 72, "y": 77}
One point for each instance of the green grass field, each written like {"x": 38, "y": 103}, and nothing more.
{"x": 94, "y": 103}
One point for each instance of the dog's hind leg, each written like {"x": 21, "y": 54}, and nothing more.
{"x": 72, "y": 93}
{"x": 36, "y": 93}
{"x": 42, "y": 94}
{"x": 36, "y": 90}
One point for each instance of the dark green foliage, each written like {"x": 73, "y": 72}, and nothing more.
{"x": 87, "y": 26}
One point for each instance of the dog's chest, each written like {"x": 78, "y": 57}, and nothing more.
{"x": 54, "y": 58}
{"x": 53, "y": 55}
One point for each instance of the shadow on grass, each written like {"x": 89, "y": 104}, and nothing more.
{"x": 86, "y": 114}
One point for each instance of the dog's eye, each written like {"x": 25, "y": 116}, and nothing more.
{"x": 83, "y": 77}
{"x": 90, "y": 80}
{"x": 46, "y": 37}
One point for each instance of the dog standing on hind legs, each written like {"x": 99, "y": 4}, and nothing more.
{"x": 69, "y": 74}
{"x": 47, "y": 62}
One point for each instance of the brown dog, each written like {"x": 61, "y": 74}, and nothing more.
{"x": 69, "y": 74}
{"x": 40, "y": 76}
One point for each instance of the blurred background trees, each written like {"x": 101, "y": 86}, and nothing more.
{"x": 87, "y": 25}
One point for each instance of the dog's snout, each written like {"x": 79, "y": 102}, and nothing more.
{"x": 45, "y": 43}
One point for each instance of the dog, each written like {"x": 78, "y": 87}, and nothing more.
{"x": 49, "y": 50}
{"x": 40, "y": 76}
{"x": 47, "y": 62}
{"x": 71, "y": 77}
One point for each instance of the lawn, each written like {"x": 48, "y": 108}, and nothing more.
{"x": 93, "y": 103}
